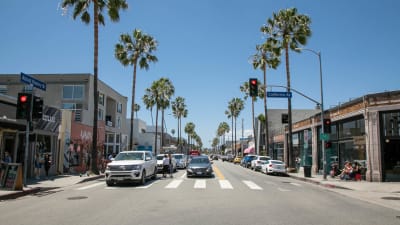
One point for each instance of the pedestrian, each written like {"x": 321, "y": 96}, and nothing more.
{"x": 47, "y": 164}
{"x": 165, "y": 165}
{"x": 298, "y": 161}
{"x": 38, "y": 166}
{"x": 7, "y": 158}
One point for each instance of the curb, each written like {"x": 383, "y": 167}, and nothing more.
{"x": 319, "y": 183}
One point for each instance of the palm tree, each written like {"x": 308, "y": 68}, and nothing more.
{"x": 267, "y": 55}
{"x": 179, "y": 110}
{"x": 149, "y": 102}
{"x": 132, "y": 50}
{"x": 245, "y": 88}
{"x": 223, "y": 128}
{"x": 235, "y": 106}
{"x": 160, "y": 93}
{"x": 291, "y": 30}
{"x": 189, "y": 130}
{"x": 81, "y": 8}
{"x": 136, "y": 108}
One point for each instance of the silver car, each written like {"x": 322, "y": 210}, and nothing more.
{"x": 181, "y": 161}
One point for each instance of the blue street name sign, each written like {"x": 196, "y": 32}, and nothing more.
{"x": 279, "y": 94}
{"x": 35, "y": 82}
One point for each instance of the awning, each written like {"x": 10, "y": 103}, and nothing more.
{"x": 249, "y": 150}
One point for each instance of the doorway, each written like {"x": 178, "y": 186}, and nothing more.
{"x": 391, "y": 160}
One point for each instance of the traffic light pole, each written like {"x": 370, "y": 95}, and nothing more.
{"x": 26, "y": 151}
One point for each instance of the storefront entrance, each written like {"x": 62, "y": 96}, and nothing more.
{"x": 391, "y": 160}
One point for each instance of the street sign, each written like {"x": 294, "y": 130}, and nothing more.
{"x": 35, "y": 82}
{"x": 279, "y": 94}
{"x": 324, "y": 136}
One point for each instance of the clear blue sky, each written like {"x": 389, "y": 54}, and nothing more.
{"x": 204, "y": 48}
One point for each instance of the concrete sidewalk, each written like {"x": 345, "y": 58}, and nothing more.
{"x": 386, "y": 194}
{"x": 34, "y": 186}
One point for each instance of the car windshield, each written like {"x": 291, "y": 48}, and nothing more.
{"x": 264, "y": 158}
{"x": 160, "y": 157}
{"x": 129, "y": 156}
{"x": 200, "y": 160}
{"x": 178, "y": 156}
{"x": 276, "y": 162}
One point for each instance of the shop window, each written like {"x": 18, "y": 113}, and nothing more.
{"x": 391, "y": 124}
{"x": 352, "y": 128}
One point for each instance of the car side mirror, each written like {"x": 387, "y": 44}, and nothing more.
{"x": 148, "y": 158}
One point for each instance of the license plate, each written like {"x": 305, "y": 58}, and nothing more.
{"x": 199, "y": 173}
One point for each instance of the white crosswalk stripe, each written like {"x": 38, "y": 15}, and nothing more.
{"x": 252, "y": 185}
{"x": 174, "y": 184}
{"x": 225, "y": 184}
{"x": 200, "y": 184}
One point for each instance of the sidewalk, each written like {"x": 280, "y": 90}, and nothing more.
{"x": 386, "y": 194}
{"x": 35, "y": 186}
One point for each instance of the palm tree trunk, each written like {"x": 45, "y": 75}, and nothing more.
{"x": 290, "y": 142}
{"x": 235, "y": 138}
{"x": 95, "y": 91}
{"x": 132, "y": 106}
{"x": 266, "y": 112}
{"x": 254, "y": 126}
{"x": 233, "y": 151}
{"x": 156, "y": 133}
{"x": 162, "y": 129}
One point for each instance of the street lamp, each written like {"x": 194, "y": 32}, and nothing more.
{"x": 321, "y": 107}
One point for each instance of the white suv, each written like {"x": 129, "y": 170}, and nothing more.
{"x": 131, "y": 166}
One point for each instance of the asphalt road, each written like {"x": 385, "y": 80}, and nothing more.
{"x": 235, "y": 195}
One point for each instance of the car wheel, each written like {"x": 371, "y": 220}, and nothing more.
{"x": 143, "y": 178}
{"x": 109, "y": 183}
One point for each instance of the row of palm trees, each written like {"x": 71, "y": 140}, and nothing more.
{"x": 286, "y": 30}
{"x": 132, "y": 50}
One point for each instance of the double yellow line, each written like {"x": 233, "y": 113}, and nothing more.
{"x": 218, "y": 173}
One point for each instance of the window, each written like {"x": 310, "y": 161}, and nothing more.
{"x": 118, "y": 122}
{"x": 119, "y": 107}
{"x": 73, "y": 92}
{"x": 3, "y": 89}
{"x": 101, "y": 114}
{"x": 72, "y": 106}
{"x": 101, "y": 99}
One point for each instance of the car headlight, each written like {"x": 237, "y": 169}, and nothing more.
{"x": 190, "y": 170}
{"x": 209, "y": 169}
{"x": 136, "y": 167}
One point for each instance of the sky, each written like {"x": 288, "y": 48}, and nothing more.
{"x": 204, "y": 49}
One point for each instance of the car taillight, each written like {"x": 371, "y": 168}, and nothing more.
{"x": 270, "y": 165}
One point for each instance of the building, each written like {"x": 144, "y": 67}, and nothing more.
{"x": 363, "y": 130}
{"x": 65, "y": 130}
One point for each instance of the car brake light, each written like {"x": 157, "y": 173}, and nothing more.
{"x": 270, "y": 165}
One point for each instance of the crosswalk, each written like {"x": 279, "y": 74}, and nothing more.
{"x": 202, "y": 184}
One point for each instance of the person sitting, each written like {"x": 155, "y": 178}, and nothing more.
{"x": 347, "y": 171}
{"x": 356, "y": 171}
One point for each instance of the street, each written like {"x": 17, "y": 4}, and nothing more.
{"x": 234, "y": 196}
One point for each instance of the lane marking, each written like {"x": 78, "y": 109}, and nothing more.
{"x": 296, "y": 184}
{"x": 174, "y": 184}
{"x": 283, "y": 190}
{"x": 89, "y": 186}
{"x": 252, "y": 185}
{"x": 225, "y": 184}
{"x": 218, "y": 173}
{"x": 200, "y": 184}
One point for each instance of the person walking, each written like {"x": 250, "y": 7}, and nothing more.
{"x": 38, "y": 166}
{"x": 171, "y": 166}
{"x": 47, "y": 164}
{"x": 165, "y": 165}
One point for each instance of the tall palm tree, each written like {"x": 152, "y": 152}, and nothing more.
{"x": 235, "y": 106}
{"x": 81, "y": 8}
{"x": 189, "y": 130}
{"x": 136, "y": 108}
{"x": 149, "y": 102}
{"x": 134, "y": 50}
{"x": 223, "y": 128}
{"x": 267, "y": 55}
{"x": 245, "y": 88}
{"x": 179, "y": 110}
{"x": 291, "y": 30}
{"x": 160, "y": 92}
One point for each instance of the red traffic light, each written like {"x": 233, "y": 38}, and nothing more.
{"x": 23, "y": 98}
{"x": 253, "y": 81}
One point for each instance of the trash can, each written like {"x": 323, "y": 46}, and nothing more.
{"x": 307, "y": 171}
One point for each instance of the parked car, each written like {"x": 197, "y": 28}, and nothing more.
{"x": 237, "y": 160}
{"x": 199, "y": 166}
{"x": 160, "y": 158}
{"x": 258, "y": 161}
{"x": 180, "y": 159}
{"x": 274, "y": 167}
{"x": 133, "y": 166}
{"x": 246, "y": 161}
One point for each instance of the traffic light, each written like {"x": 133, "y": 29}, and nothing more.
{"x": 328, "y": 145}
{"x": 253, "y": 85}
{"x": 37, "y": 110}
{"x": 24, "y": 106}
{"x": 327, "y": 126}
